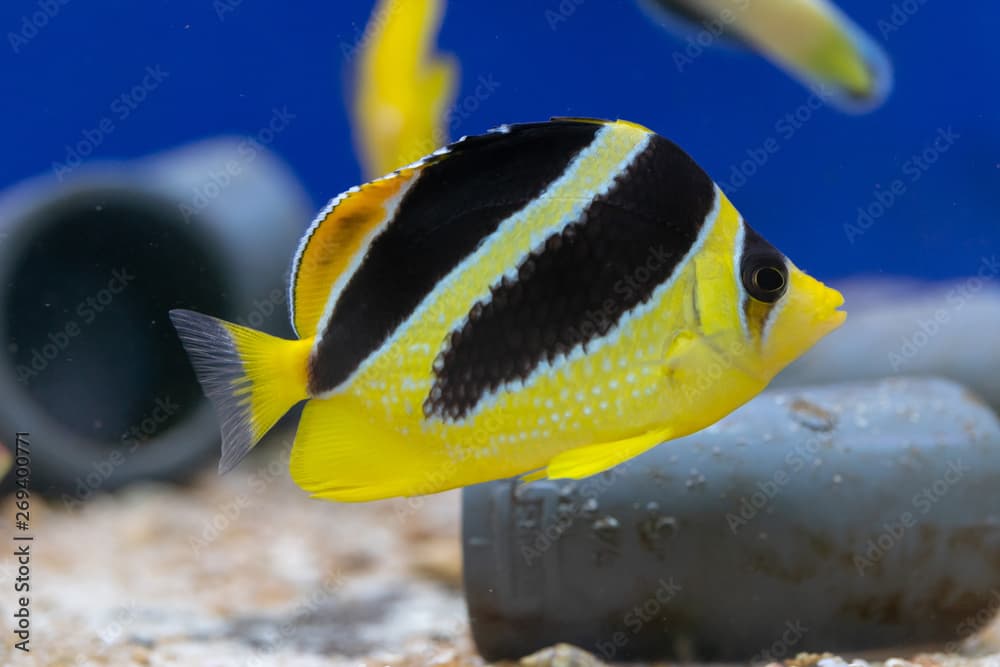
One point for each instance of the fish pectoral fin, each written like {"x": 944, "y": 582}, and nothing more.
{"x": 343, "y": 453}
{"x": 592, "y": 459}
{"x": 685, "y": 351}
{"x": 674, "y": 349}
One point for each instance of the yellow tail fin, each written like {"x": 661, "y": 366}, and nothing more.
{"x": 252, "y": 378}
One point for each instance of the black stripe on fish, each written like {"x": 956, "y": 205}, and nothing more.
{"x": 580, "y": 282}
{"x": 457, "y": 201}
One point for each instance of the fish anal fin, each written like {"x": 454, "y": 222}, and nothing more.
{"x": 344, "y": 452}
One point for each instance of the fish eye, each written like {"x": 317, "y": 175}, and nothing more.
{"x": 766, "y": 279}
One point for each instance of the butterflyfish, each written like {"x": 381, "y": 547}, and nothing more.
{"x": 546, "y": 299}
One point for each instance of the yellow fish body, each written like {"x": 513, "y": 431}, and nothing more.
{"x": 554, "y": 297}
{"x": 403, "y": 88}
{"x": 811, "y": 39}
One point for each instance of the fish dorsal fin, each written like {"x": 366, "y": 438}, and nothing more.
{"x": 598, "y": 121}
{"x": 336, "y": 242}
{"x": 339, "y": 237}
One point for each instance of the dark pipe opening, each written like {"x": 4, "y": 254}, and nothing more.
{"x": 86, "y": 304}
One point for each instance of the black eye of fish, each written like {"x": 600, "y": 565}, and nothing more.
{"x": 765, "y": 278}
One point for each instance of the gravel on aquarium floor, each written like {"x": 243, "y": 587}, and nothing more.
{"x": 245, "y": 570}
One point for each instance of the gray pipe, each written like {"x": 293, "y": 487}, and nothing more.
{"x": 898, "y": 327}
{"x": 836, "y": 518}
{"x": 89, "y": 267}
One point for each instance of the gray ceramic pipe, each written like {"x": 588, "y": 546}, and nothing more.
{"x": 837, "y": 518}
{"x": 899, "y": 327}
{"x": 89, "y": 267}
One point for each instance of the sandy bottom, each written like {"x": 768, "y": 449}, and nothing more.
{"x": 245, "y": 570}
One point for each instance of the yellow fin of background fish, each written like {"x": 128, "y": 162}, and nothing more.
{"x": 811, "y": 39}
{"x": 252, "y": 378}
{"x": 403, "y": 87}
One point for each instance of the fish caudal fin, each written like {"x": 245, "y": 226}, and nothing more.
{"x": 586, "y": 461}
{"x": 343, "y": 453}
{"x": 251, "y": 378}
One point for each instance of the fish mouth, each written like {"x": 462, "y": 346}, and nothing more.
{"x": 837, "y": 302}
{"x": 832, "y": 316}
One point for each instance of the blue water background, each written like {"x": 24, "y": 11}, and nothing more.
{"x": 230, "y": 64}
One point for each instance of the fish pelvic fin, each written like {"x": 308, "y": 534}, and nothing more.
{"x": 346, "y": 453}
{"x": 589, "y": 460}
{"x": 251, "y": 378}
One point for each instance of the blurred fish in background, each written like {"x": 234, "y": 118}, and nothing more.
{"x": 812, "y": 40}
{"x": 403, "y": 86}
